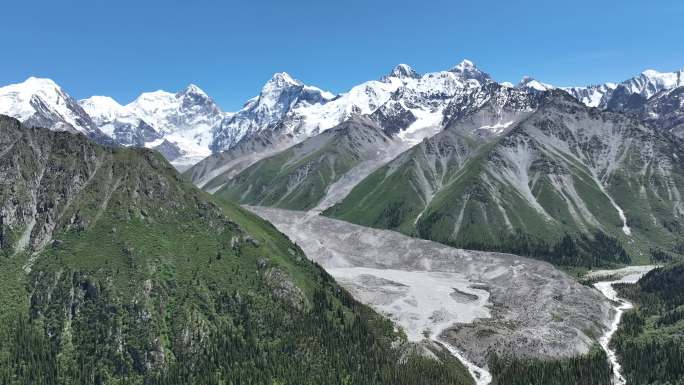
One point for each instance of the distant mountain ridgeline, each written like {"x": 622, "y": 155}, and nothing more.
{"x": 451, "y": 155}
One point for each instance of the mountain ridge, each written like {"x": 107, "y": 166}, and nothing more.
{"x": 192, "y": 127}
{"x": 549, "y": 160}
{"x": 115, "y": 269}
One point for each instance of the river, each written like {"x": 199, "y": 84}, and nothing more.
{"x": 630, "y": 274}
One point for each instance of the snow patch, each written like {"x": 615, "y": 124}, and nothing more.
{"x": 498, "y": 127}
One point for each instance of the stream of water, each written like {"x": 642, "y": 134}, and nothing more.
{"x": 480, "y": 375}
{"x": 629, "y": 274}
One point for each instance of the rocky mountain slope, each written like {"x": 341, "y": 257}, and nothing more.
{"x": 652, "y": 96}
{"x": 664, "y": 110}
{"x": 565, "y": 170}
{"x": 188, "y": 126}
{"x": 404, "y": 103}
{"x": 300, "y": 176}
{"x": 114, "y": 269}
{"x": 320, "y": 171}
{"x": 614, "y": 96}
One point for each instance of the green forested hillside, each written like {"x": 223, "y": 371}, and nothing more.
{"x": 114, "y": 270}
{"x": 591, "y": 368}
{"x": 650, "y": 339}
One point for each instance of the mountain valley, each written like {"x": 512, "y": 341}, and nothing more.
{"x": 417, "y": 229}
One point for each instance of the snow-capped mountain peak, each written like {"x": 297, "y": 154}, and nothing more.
{"x": 193, "y": 100}
{"x": 101, "y": 108}
{"x": 281, "y": 80}
{"x": 403, "y": 71}
{"x": 650, "y": 82}
{"x": 152, "y": 100}
{"x": 192, "y": 89}
{"x": 183, "y": 121}
{"x": 23, "y": 91}
{"x": 41, "y": 102}
{"x": 36, "y": 84}
{"x": 279, "y": 96}
{"x": 15, "y": 99}
{"x": 466, "y": 69}
{"x": 533, "y": 84}
{"x": 464, "y": 65}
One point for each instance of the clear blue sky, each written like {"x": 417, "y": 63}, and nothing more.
{"x": 229, "y": 48}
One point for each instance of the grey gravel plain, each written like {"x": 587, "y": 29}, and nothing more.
{"x": 535, "y": 310}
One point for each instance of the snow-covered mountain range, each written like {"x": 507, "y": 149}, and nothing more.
{"x": 180, "y": 125}
{"x": 188, "y": 126}
{"x": 406, "y": 105}
{"x": 611, "y": 95}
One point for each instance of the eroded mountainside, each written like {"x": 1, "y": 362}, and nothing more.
{"x": 116, "y": 270}
{"x": 300, "y": 176}
{"x": 563, "y": 182}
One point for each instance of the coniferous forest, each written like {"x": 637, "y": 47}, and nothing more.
{"x": 591, "y": 368}
{"x": 650, "y": 338}
{"x": 255, "y": 342}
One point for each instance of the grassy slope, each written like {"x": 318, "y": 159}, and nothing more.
{"x": 394, "y": 196}
{"x": 269, "y": 182}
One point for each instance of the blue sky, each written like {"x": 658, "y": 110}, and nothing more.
{"x": 230, "y": 48}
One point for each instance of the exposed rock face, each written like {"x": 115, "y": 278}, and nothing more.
{"x": 664, "y": 110}
{"x": 393, "y": 117}
{"x": 169, "y": 150}
{"x": 284, "y": 289}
